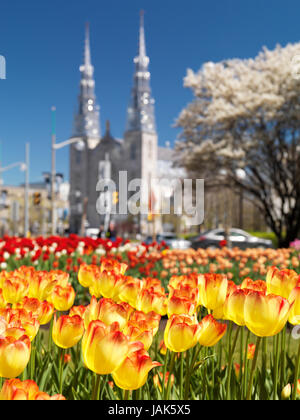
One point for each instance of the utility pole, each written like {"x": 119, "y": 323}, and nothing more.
{"x": 53, "y": 140}
{"x": 26, "y": 195}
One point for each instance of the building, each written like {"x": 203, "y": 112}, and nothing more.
{"x": 12, "y": 205}
{"x": 136, "y": 154}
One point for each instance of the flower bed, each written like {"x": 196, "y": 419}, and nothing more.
{"x": 96, "y": 319}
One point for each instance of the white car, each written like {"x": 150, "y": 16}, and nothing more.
{"x": 171, "y": 240}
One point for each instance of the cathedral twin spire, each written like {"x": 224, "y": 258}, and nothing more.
{"x": 87, "y": 121}
{"x": 140, "y": 112}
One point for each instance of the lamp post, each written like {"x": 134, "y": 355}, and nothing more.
{"x": 55, "y": 146}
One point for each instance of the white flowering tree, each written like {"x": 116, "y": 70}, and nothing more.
{"x": 246, "y": 115}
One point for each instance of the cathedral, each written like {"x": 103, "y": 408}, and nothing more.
{"x": 137, "y": 153}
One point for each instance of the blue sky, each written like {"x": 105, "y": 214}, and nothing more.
{"x": 42, "y": 42}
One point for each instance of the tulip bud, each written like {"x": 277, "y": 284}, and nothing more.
{"x": 286, "y": 392}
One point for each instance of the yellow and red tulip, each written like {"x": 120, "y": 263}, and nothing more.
{"x": 211, "y": 331}
{"x": 281, "y": 282}
{"x": 265, "y": 315}
{"x": 212, "y": 290}
{"x": 67, "y": 330}
{"x": 14, "y": 355}
{"x": 181, "y": 333}
{"x": 62, "y": 297}
{"x": 104, "y": 347}
{"x": 133, "y": 372}
{"x": 87, "y": 274}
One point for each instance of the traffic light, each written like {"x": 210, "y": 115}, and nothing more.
{"x": 115, "y": 197}
{"x": 36, "y": 198}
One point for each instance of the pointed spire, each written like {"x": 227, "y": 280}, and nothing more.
{"x": 142, "y": 44}
{"x": 87, "y": 48}
{"x": 140, "y": 112}
{"x": 87, "y": 121}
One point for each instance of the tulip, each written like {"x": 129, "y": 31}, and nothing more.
{"x": 281, "y": 282}
{"x": 86, "y": 274}
{"x": 212, "y": 290}
{"x": 3, "y": 302}
{"x": 110, "y": 284}
{"x": 151, "y": 319}
{"x": 62, "y": 297}
{"x": 138, "y": 333}
{"x": 60, "y": 277}
{"x": 104, "y": 347}
{"x": 265, "y": 315}
{"x": 67, "y": 331}
{"x": 107, "y": 311}
{"x": 162, "y": 347}
{"x": 180, "y": 305}
{"x": 150, "y": 301}
{"x": 234, "y": 306}
{"x": 78, "y": 310}
{"x": 286, "y": 392}
{"x": 211, "y": 331}
{"x": 181, "y": 333}
{"x": 14, "y": 289}
{"x": 251, "y": 351}
{"x": 237, "y": 369}
{"x": 113, "y": 265}
{"x": 158, "y": 379}
{"x": 133, "y": 372}
{"x": 218, "y": 313}
{"x": 294, "y": 315}
{"x": 24, "y": 319}
{"x": 15, "y": 389}
{"x": 41, "y": 285}
{"x": 258, "y": 285}
{"x": 130, "y": 291}
{"x": 14, "y": 355}
{"x": 43, "y": 396}
{"x": 43, "y": 311}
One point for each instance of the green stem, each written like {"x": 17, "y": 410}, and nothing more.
{"x": 230, "y": 363}
{"x": 283, "y": 357}
{"x": 32, "y": 361}
{"x": 181, "y": 377}
{"x": 96, "y": 389}
{"x": 241, "y": 351}
{"x": 276, "y": 366}
{"x": 164, "y": 372}
{"x": 126, "y": 394}
{"x": 172, "y": 362}
{"x": 248, "y": 397}
{"x": 190, "y": 370}
{"x": 245, "y": 373}
{"x": 50, "y": 335}
{"x": 61, "y": 369}
{"x": 296, "y": 374}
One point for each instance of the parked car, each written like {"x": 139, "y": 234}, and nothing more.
{"x": 171, "y": 240}
{"x": 237, "y": 238}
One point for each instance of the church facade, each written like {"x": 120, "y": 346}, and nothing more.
{"x": 136, "y": 153}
